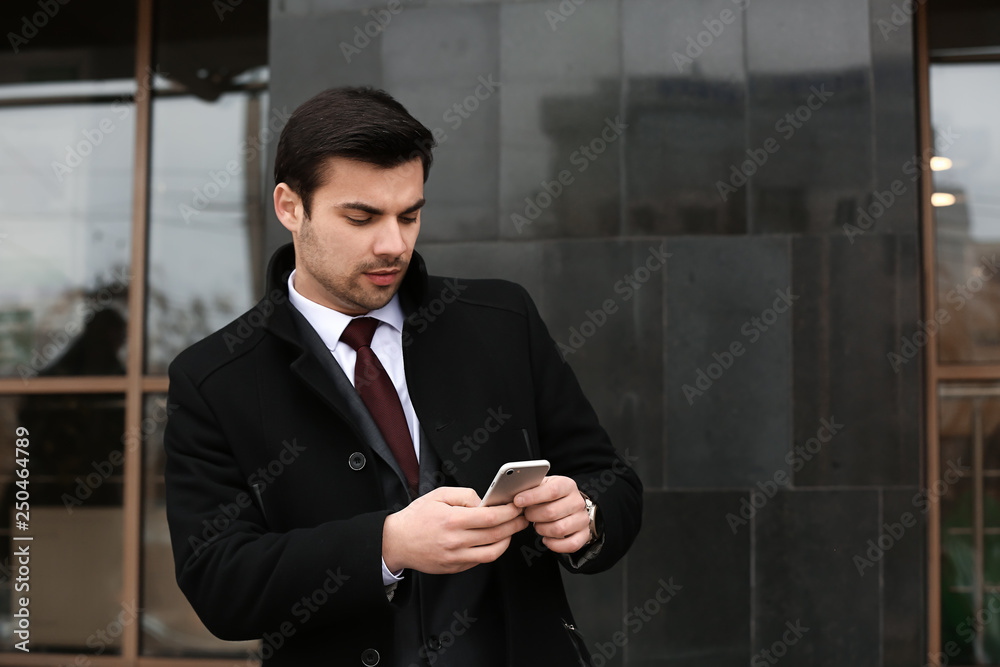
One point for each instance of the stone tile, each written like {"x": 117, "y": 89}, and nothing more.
{"x": 685, "y": 108}
{"x": 686, "y": 542}
{"x": 805, "y": 577}
{"x": 843, "y": 335}
{"x": 728, "y": 416}
{"x": 810, "y": 114}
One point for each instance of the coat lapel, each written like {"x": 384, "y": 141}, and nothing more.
{"x": 320, "y": 370}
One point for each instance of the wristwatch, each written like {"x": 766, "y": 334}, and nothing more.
{"x": 592, "y": 513}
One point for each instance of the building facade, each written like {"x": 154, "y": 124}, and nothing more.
{"x": 761, "y": 232}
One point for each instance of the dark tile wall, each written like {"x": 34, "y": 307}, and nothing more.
{"x": 699, "y": 164}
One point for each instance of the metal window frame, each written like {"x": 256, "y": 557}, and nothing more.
{"x": 944, "y": 378}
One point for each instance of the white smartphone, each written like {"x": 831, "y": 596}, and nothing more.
{"x": 512, "y": 479}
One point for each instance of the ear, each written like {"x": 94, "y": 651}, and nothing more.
{"x": 288, "y": 207}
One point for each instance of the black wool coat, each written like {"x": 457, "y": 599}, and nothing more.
{"x": 271, "y": 508}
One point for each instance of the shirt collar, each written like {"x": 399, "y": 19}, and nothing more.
{"x": 330, "y": 323}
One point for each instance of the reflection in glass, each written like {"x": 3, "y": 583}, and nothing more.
{"x": 67, "y": 133}
{"x": 964, "y": 100}
{"x": 210, "y": 129}
{"x": 969, "y": 492}
{"x": 75, "y": 458}
{"x": 65, "y": 230}
{"x": 170, "y": 626}
{"x": 205, "y": 206}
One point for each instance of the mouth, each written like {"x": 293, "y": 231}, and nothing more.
{"x": 382, "y": 278}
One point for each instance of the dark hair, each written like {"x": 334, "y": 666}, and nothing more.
{"x": 362, "y": 124}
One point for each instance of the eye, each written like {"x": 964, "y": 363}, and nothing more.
{"x": 408, "y": 220}
{"x": 358, "y": 222}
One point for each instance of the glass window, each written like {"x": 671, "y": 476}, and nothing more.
{"x": 206, "y": 210}
{"x": 210, "y": 130}
{"x": 69, "y": 103}
{"x": 966, "y": 170}
{"x": 74, "y": 516}
{"x": 67, "y": 136}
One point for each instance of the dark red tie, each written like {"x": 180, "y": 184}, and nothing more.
{"x": 380, "y": 397}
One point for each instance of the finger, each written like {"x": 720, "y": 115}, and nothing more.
{"x": 492, "y": 535}
{"x": 567, "y": 545}
{"x": 487, "y": 517}
{"x": 490, "y": 552}
{"x": 557, "y": 509}
{"x": 457, "y": 496}
{"x": 564, "y": 527}
{"x": 551, "y": 488}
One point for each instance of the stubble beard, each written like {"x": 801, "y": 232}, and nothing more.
{"x": 349, "y": 288}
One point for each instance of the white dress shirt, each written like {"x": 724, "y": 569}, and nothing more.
{"x": 387, "y": 344}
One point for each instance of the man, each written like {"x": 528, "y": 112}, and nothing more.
{"x": 327, "y": 451}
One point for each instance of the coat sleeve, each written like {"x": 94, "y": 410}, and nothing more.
{"x": 573, "y": 440}
{"x": 242, "y": 580}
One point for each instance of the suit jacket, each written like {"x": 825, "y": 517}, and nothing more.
{"x": 276, "y": 507}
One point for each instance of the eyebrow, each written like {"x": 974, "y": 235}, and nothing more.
{"x": 368, "y": 208}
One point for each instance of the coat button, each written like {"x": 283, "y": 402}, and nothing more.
{"x": 434, "y": 643}
{"x": 357, "y": 461}
{"x": 369, "y": 657}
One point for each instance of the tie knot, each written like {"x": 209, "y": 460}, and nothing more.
{"x": 359, "y": 332}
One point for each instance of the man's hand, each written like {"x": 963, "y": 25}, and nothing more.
{"x": 445, "y": 531}
{"x": 559, "y": 513}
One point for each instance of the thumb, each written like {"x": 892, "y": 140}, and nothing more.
{"x": 456, "y": 496}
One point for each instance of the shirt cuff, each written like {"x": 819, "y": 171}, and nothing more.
{"x": 389, "y": 578}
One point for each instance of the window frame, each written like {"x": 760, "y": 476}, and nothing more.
{"x": 939, "y": 378}
{"x": 135, "y": 385}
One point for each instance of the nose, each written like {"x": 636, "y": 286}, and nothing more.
{"x": 389, "y": 241}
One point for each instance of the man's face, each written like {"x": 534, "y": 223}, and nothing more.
{"x": 353, "y": 251}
